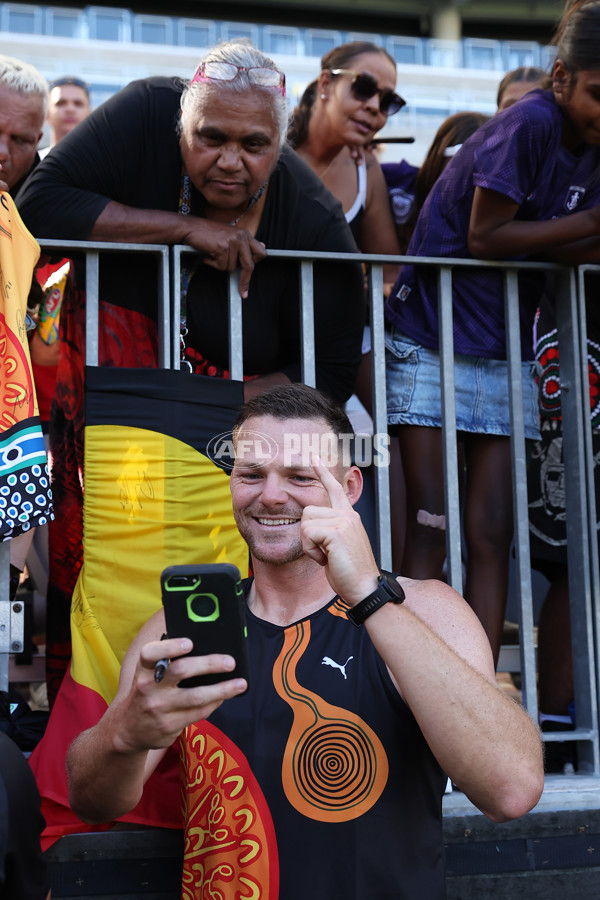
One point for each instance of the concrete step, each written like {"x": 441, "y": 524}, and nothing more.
{"x": 553, "y": 853}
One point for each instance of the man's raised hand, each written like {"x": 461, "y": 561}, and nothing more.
{"x": 334, "y": 536}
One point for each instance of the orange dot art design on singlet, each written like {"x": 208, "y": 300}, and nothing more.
{"x": 230, "y": 851}
{"x": 335, "y": 767}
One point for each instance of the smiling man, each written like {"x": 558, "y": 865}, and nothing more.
{"x": 326, "y": 778}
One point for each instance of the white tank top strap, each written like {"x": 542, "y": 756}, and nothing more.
{"x": 361, "y": 196}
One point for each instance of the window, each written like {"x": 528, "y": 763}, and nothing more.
{"x": 230, "y": 30}
{"x": 109, "y": 24}
{"x": 444, "y": 54}
{"x": 481, "y": 54}
{"x": 21, "y": 18}
{"x": 281, "y": 40}
{"x": 520, "y": 53}
{"x": 66, "y": 23}
{"x": 406, "y": 50}
{"x": 196, "y": 33}
{"x": 318, "y": 43}
{"x": 152, "y": 30}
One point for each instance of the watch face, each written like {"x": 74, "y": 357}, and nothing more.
{"x": 388, "y": 579}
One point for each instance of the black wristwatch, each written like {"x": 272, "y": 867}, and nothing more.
{"x": 387, "y": 591}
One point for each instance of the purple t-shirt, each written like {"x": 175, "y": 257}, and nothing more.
{"x": 517, "y": 153}
{"x": 400, "y": 180}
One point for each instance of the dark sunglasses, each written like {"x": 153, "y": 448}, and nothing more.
{"x": 364, "y": 86}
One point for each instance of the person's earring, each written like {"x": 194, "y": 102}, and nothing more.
{"x": 323, "y": 96}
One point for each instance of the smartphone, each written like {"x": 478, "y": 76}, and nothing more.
{"x": 205, "y": 603}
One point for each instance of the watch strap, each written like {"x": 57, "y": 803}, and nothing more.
{"x": 383, "y": 593}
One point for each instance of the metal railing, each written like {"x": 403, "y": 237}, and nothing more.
{"x": 569, "y": 292}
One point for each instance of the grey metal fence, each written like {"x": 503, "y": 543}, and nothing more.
{"x": 579, "y": 488}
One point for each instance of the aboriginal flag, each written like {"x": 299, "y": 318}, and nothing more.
{"x": 25, "y": 497}
{"x": 156, "y": 494}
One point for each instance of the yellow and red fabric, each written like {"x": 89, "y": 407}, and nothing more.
{"x": 153, "y": 498}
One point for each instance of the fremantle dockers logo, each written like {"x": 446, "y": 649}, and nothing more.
{"x": 574, "y": 197}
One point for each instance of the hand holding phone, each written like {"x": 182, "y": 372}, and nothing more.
{"x": 205, "y": 603}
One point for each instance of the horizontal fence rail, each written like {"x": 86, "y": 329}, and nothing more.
{"x": 569, "y": 287}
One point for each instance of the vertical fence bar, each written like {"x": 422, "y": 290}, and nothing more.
{"x": 576, "y": 427}
{"x": 175, "y": 306}
{"x": 307, "y": 323}
{"x": 590, "y": 490}
{"x": 164, "y": 311}
{"x": 519, "y": 493}
{"x": 381, "y": 473}
{"x": 92, "y": 307}
{"x": 236, "y": 346}
{"x": 449, "y": 444}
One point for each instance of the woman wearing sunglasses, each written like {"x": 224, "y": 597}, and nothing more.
{"x": 332, "y": 127}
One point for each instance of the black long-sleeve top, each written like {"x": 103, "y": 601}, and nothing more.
{"x": 127, "y": 151}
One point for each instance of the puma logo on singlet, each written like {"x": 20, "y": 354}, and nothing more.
{"x": 327, "y": 661}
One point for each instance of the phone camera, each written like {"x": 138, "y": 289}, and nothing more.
{"x": 203, "y": 607}
{"x": 180, "y": 581}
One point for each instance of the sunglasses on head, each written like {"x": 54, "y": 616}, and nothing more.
{"x": 223, "y": 71}
{"x": 364, "y": 86}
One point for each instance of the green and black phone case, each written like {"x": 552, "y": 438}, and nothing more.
{"x": 206, "y": 604}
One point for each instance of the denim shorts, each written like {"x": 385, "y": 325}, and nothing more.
{"x": 414, "y": 395}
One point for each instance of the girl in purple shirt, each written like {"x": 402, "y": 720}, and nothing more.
{"x": 525, "y": 185}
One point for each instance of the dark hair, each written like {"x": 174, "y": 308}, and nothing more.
{"x": 339, "y": 58}
{"x": 577, "y": 37}
{"x": 70, "y": 79}
{"x": 453, "y": 131}
{"x": 529, "y": 74}
{"x": 295, "y": 401}
{"x": 298, "y": 127}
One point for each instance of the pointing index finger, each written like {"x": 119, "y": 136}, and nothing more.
{"x": 335, "y": 490}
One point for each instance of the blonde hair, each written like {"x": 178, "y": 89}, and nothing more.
{"x": 23, "y": 78}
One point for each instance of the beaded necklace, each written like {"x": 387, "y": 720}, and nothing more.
{"x": 185, "y": 198}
